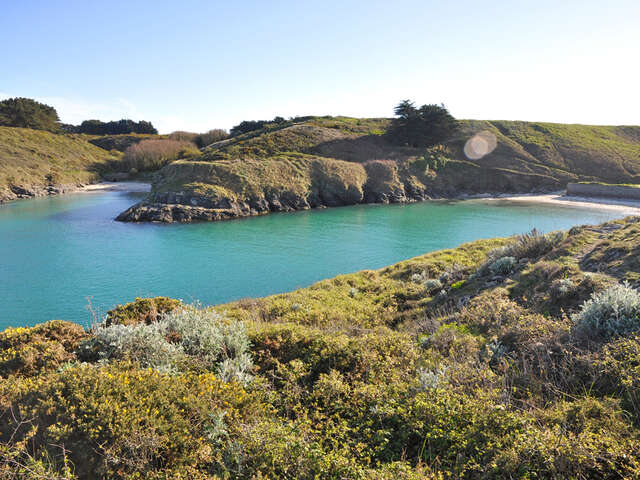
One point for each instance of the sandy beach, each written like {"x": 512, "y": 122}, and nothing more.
{"x": 627, "y": 207}
{"x": 117, "y": 187}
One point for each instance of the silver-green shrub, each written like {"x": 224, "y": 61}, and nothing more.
{"x": 612, "y": 312}
{"x": 431, "y": 379}
{"x": 214, "y": 342}
{"x": 145, "y": 344}
{"x": 432, "y": 284}
{"x": 502, "y": 266}
{"x": 562, "y": 288}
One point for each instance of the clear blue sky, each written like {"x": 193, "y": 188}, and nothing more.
{"x": 197, "y": 65}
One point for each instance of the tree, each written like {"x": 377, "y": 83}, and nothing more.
{"x": 27, "y": 113}
{"x": 421, "y": 127}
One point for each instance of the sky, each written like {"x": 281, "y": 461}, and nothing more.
{"x": 196, "y": 65}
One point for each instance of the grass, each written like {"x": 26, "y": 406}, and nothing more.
{"x": 36, "y": 158}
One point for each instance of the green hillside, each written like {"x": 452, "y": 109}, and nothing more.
{"x": 505, "y": 358}
{"x": 328, "y": 161}
{"x": 37, "y": 162}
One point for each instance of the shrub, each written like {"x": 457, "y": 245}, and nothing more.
{"x": 27, "y": 351}
{"x": 431, "y": 379}
{"x": 502, "y": 266}
{"x": 612, "y": 312}
{"x": 419, "y": 277}
{"x": 142, "y": 310}
{"x": 562, "y": 288}
{"x": 528, "y": 245}
{"x": 432, "y": 285}
{"x": 155, "y": 154}
{"x": 182, "y": 136}
{"x": 201, "y": 338}
{"x": 533, "y": 244}
{"x": 212, "y": 136}
{"x": 118, "y": 422}
{"x": 145, "y": 344}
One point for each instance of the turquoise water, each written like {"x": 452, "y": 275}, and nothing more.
{"x": 58, "y": 252}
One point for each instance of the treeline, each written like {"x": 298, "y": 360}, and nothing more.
{"x": 28, "y": 113}
{"x": 116, "y": 127}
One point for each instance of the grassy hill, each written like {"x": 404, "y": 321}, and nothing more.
{"x": 504, "y": 358}
{"x": 328, "y": 161}
{"x": 37, "y": 162}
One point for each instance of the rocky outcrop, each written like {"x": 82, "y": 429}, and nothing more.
{"x": 18, "y": 192}
{"x": 180, "y": 207}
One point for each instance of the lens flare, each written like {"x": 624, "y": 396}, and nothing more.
{"x": 481, "y": 144}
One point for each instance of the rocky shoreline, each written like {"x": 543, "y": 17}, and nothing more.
{"x": 19, "y": 192}
{"x": 182, "y": 208}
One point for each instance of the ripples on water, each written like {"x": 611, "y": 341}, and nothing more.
{"x": 57, "y": 252}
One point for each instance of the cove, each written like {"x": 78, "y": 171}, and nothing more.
{"x": 58, "y": 252}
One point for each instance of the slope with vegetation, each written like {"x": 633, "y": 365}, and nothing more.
{"x": 327, "y": 161}
{"x": 38, "y": 162}
{"x": 505, "y": 358}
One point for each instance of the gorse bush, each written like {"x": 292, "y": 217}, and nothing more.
{"x": 142, "y": 310}
{"x": 612, "y": 312}
{"x": 186, "y": 336}
{"x": 155, "y": 154}
{"x": 27, "y": 351}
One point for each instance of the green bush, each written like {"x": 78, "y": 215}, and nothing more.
{"x": 142, "y": 310}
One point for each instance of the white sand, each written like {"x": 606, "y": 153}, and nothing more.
{"x": 626, "y": 207}
{"x": 117, "y": 187}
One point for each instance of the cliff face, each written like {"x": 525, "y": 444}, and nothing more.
{"x": 329, "y": 161}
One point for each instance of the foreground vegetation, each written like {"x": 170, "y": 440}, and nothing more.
{"x": 504, "y": 358}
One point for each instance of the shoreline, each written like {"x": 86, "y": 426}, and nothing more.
{"x": 631, "y": 207}
{"x": 135, "y": 187}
